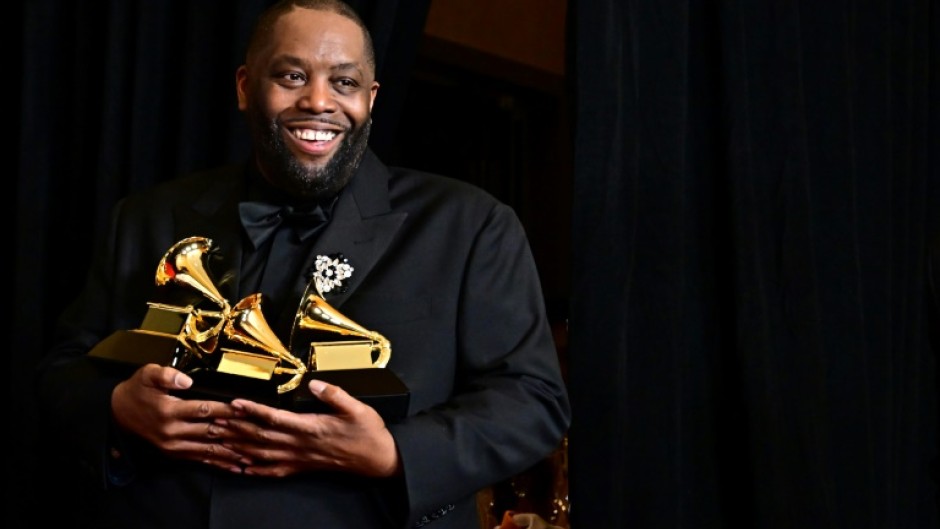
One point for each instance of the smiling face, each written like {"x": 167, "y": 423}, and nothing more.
{"x": 307, "y": 94}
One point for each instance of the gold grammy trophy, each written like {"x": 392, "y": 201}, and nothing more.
{"x": 231, "y": 351}
{"x": 357, "y": 365}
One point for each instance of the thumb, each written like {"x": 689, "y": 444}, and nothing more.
{"x": 170, "y": 378}
{"x": 182, "y": 380}
{"x": 334, "y": 396}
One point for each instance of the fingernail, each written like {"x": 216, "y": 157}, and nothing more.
{"x": 182, "y": 381}
{"x": 317, "y": 386}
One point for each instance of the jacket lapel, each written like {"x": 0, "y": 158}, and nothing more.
{"x": 363, "y": 225}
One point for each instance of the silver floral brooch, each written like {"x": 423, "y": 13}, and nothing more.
{"x": 329, "y": 272}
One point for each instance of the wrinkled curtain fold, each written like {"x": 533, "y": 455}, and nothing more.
{"x": 114, "y": 97}
{"x": 755, "y": 185}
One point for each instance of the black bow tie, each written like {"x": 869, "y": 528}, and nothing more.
{"x": 261, "y": 220}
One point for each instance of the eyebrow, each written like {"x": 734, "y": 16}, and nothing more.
{"x": 293, "y": 60}
{"x": 347, "y": 66}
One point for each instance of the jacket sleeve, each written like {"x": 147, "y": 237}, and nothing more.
{"x": 73, "y": 392}
{"x": 509, "y": 408}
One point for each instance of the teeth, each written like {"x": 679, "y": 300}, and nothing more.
{"x": 314, "y": 135}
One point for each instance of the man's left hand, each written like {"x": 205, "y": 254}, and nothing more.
{"x": 277, "y": 442}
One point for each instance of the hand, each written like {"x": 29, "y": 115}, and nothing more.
{"x": 278, "y": 442}
{"x": 178, "y": 427}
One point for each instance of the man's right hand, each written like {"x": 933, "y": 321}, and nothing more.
{"x": 180, "y": 428}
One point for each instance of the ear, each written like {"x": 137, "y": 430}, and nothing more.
{"x": 373, "y": 91}
{"x": 241, "y": 87}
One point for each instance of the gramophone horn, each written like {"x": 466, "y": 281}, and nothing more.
{"x": 246, "y": 325}
{"x": 184, "y": 263}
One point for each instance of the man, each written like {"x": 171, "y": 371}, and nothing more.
{"x": 438, "y": 267}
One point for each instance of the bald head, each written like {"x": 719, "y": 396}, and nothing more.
{"x": 261, "y": 35}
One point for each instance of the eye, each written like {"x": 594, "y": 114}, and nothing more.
{"x": 346, "y": 84}
{"x": 292, "y": 78}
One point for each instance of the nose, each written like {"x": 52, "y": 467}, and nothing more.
{"x": 318, "y": 97}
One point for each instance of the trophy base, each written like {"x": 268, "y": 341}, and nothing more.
{"x": 136, "y": 348}
{"x": 379, "y": 388}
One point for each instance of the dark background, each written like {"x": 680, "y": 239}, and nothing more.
{"x": 730, "y": 203}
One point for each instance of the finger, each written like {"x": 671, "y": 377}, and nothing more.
{"x": 270, "y": 470}
{"x": 265, "y": 454}
{"x": 225, "y": 465}
{"x": 334, "y": 396}
{"x": 256, "y": 439}
{"x": 219, "y": 452}
{"x": 199, "y": 449}
{"x": 214, "y": 432}
{"x": 259, "y": 430}
{"x": 232, "y": 444}
{"x": 262, "y": 414}
{"x": 222, "y": 457}
{"x": 202, "y": 411}
{"x": 165, "y": 377}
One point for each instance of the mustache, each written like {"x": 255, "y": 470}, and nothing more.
{"x": 306, "y": 120}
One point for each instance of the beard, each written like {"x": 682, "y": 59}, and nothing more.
{"x": 285, "y": 171}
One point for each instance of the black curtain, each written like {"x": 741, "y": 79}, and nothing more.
{"x": 755, "y": 186}
{"x": 115, "y": 96}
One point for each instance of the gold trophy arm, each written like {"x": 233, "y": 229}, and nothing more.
{"x": 192, "y": 332}
{"x": 291, "y": 384}
{"x": 384, "y": 349}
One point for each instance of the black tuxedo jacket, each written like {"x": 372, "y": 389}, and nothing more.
{"x": 441, "y": 269}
